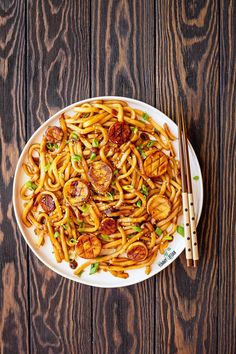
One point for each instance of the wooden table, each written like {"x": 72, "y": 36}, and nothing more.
{"x": 54, "y": 53}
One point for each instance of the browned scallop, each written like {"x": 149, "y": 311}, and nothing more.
{"x": 108, "y": 226}
{"x": 54, "y": 135}
{"x": 100, "y": 176}
{"x": 159, "y": 207}
{"x": 47, "y": 203}
{"x": 88, "y": 246}
{"x": 156, "y": 164}
{"x": 137, "y": 251}
{"x": 119, "y": 133}
{"x": 79, "y": 190}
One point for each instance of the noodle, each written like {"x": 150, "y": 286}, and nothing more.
{"x": 104, "y": 186}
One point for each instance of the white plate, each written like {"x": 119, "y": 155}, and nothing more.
{"x": 105, "y": 279}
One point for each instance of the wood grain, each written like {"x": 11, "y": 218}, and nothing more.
{"x": 123, "y": 64}
{"x": 13, "y": 250}
{"x": 187, "y": 67}
{"x": 227, "y": 239}
{"x": 57, "y": 74}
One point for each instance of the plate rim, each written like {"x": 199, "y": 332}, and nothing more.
{"x": 19, "y": 163}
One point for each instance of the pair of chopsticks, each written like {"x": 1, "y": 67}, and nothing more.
{"x": 191, "y": 244}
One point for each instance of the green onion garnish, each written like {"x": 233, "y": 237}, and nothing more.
{"x": 116, "y": 172}
{"x": 77, "y": 158}
{"x": 65, "y": 226}
{"x": 46, "y": 168}
{"x": 128, "y": 188}
{"x": 109, "y": 195}
{"x": 137, "y": 228}
{"x": 86, "y": 115}
{"x": 196, "y": 178}
{"x": 72, "y": 241}
{"x": 144, "y": 190}
{"x": 150, "y": 143}
{"x": 140, "y": 150}
{"x": 144, "y": 116}
{"x": 94, "y": 268}
{"x": 95, "y": 143}
{"x": 139, "y": 203}
{"x": 92, "y": 157}
{"x": 56, "y": 234}
{"x": 50, "y": 146}
{"x": 105, "y": 237}
{"x": 180, "y": 230}
{"x": 74, "y": 136}
{"x": 31, "y": 185}
{"x": 84, "y": 208}
{"x": 167, "y": 238}
{"x": 134, "y": 129}
{"x": 158, "y": 231}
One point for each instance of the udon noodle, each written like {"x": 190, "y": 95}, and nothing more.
{"x": 104, "y": 185}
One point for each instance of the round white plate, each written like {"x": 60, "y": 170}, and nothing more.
{"x": 105, "y": 279}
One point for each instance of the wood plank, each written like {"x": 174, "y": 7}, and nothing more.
{"x": 123, "y": 64}
{"x": 227, "y": 235}
{"x": 13, "y": 249}
{"x": 187, "y": 67}
{"x": 58, "y": 74}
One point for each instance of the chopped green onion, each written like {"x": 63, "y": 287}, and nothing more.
{"x": 142, "y": 153}
{"x": 74, "y": 136}
{"x": 72, "y": 241}
{"x": 196, "y": 178}
{"x": 46, "y": 168}
{"x": 56, "y": 146}
{"x": 144, "y": 116}
{"x": 86, "y": 115}
{"x": 31, "y": 185}
{"x": 95, "y": 143}
{"x": 56, "y": 234}
{"x": 130, "y": 236}
{"x": 77, "y": 158}
{"x": 134, "y": 129}
{"x": 65, "y": 226}
{"x": 139, "y": 203}
{"x": 180, "y": 230}
{"x": 84, "y": 208}
{"x": 105, "y": 237}
{"x": 92, "y": 157}
{"x": 128, "y": 188}
{"x": 137, "y": 228}
{"x": 150, "y": 143}
{"x": 167, "y": 238}
{"x": 144, "y": 190}
{"x": 50, "y": 146}
{"x": 116, "y": 172}
{"x": 109, "y": 195}
{"x": 94, "y": 268}
{"x": 158, "y": 231}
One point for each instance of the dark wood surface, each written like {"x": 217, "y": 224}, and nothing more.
{"x": 53, "y": 53}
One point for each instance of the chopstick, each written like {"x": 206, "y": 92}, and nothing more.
{"x": 191, "y": 244}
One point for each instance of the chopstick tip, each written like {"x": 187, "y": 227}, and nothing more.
{"x": 189, "y": 262}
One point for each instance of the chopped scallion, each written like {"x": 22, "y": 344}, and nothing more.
{"x": 180, "y": 230}
{"x": 196, "y": 178}
{"x": 109, "y": 195}
{"x": 93, "y": 156}
{"x": 150, "y": 143}
{"x": 74, "y": 136}
{"x": 137, "y": 228}
{"x": 46, "y": 168}
{"x": 128, "y": 188}
{"x": 94, "y": 268}
{"x": 144, "y": 190}
{"x": 139, "y": 203}
{"x": 77, "y": 158}
{"x": 95, "y": 143}
{"x": 56, "y": 234}
{"x": 31, "y": 185}
{"x": 167, "y": 238}
{"x": 144, "y": 116}
{"x": 105, "y": 237}
{"x": 158, "y": 231}
{"x": 134, "y": 129}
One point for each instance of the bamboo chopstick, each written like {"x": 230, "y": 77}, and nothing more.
{"x": 191, "y": 244}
